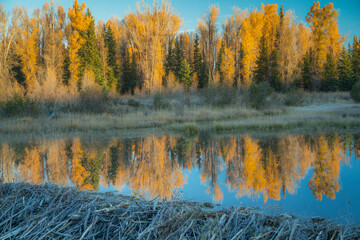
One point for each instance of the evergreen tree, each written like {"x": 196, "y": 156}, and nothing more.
{"x": 262, "y": 67}
{"x": 185, "y": 74}
{"x": 220, "y": 62}
{"x": 197, "y": 64}
{"x": 345, "y": 68}
{"x": 170, "y": 59}
{"x": 112, "y": 74}
{"x": 330, "y": 80}
{"x": 129, "y": 75}
{"x": 306, "y": 72}
{"x": 89, "y": 53}
{"x": 179, "y": 56}
{"x": 356, "y": 58}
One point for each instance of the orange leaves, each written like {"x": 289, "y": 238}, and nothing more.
{"x": 78, "y": 172}
{"x": 250, "y": 33}
{"x": 325, "y": 33}
{"x": 325, "y": 180}
{"x": 149, "y": 30}
{"x": 79, "y": 23}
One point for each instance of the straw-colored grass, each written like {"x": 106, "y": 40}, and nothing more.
{"x": 338, "y": 114}
{"x": 52, "y": 212}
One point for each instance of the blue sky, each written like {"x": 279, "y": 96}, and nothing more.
{"x": 191, "y": 10}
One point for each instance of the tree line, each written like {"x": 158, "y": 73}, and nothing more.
{"x": 55, "y": 54}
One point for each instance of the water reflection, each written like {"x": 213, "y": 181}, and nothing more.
{"x": 271, "y": 167}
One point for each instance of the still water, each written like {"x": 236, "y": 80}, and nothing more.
{"x": 303, "y": 175}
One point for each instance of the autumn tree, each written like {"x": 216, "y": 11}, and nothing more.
{"x": 8, "y": 34}
{"x": 250, "y": 33}
{"x": 27, "y": 47}
{"x": 79, "y": 23}
{"x": 209, "y": 38}
{"x": 325, "y": 33}
{"x": 149, "y": 29}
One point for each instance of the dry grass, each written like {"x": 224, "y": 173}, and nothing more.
{"x": 52, "y": 212}
{"x": 138, "y": 114}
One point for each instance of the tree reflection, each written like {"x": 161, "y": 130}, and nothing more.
{"x": 155, "y": 166}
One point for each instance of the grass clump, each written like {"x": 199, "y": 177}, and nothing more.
{"x": 258, "y": 94}
{"x": 355, "y": 92}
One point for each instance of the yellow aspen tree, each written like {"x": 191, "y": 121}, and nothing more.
{"x": 227, "y": 67}
{"x": 271, "y": 20}
{"x": 209, "y": 38}
{"x": 28, "y": 49}
{"x": 149, "y": 29}
{"x": 287, "y": 58}
{"x": 325, "y": 33}
{"x": 303, "y": 42}
{"x": 8, "y": 32}
{"x": 79, "y": 23}
{"x": 251, "y": 33}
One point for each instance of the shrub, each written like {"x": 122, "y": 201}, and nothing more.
{"x": 294, "y": 97}
{"x": 92, "y": 102}
{"x": 258, "y": 94}
{"x": 159, "y": 102}
{"x": 133, "y": 103}
{"x": 220, "y": 96}
{"x": 20, "y": 106}
{"x": 355, "y": 92}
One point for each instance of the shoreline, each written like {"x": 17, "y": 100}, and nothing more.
{"x": 341, "y": 117}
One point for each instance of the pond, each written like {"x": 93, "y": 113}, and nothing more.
{"x": 316, "y": 175}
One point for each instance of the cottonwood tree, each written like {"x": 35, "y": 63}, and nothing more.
{"x": 149, "y": 29}
{"x": 209, "y": 38}
{"x": 8, "y": 33}
{"x": 79, "y": 23}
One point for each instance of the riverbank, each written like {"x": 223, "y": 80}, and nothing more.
{"x": 311, "y": 118}
{"x": 49, "y": 211}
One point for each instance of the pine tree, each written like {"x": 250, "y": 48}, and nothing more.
{"x": 220, "y": 62}
{"x": 112, "y": 74}
{"x": 170, "y": 59}
{"x": 345, "y": 68}
{"x": 262, "y": 68}
{"x": 179, "y": 56}
{"x": 185, "y": 74}
{"x": 356, "y": 57}
{"x": 129, "y": 75}
{"x": 89, "y": 53}
{"x": 330, "y": 80}
{"x": 306, "y": 72}
{"x": 197, "y": 63}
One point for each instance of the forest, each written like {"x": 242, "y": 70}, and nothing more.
{"x": 58, "y": 55}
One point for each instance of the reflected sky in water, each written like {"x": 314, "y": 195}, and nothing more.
{"x": 303, "y": 175}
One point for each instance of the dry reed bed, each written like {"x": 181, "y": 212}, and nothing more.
{"x": 51, "y": 212}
